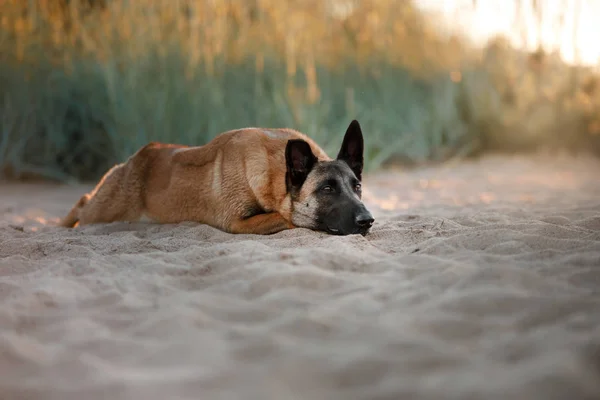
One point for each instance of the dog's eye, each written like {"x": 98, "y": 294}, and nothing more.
{"x": 327, "y": 189}
{"x": 358, "y": 187}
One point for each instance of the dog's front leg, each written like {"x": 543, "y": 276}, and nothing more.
{"x": 261, "y": 224}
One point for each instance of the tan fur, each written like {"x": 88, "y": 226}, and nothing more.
{"x": 218, "y": 184}
{"x": 305, "y": 205}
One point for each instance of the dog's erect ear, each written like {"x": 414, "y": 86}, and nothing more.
{"x": 352, "y": 149}
{"x": 299, "y": 160}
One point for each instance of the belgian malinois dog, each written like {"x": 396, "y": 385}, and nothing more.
{"x": 252, "y": 180}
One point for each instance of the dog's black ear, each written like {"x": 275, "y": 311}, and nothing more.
{"x": 352, "y": 149}
{"x": 299, "y": 159}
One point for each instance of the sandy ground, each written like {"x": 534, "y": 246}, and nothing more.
{"x": 479, "y": 281}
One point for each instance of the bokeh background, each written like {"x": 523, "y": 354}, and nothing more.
{"x": 85, "y": 83}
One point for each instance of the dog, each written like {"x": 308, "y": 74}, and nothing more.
{"x": 245, "y": 181}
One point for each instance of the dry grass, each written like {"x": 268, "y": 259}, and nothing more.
{"x": 84, "y": 86}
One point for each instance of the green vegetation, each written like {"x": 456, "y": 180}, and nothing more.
{"x": 85, "y": 83}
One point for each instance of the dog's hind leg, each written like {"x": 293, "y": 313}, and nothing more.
{"x": 73, "y": 216}
{"x": 261, "y": 224}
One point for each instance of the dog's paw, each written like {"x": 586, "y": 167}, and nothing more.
{"x": 290, "y": 225}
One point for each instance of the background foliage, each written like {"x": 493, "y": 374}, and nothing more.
{"x": 85, "y": 83}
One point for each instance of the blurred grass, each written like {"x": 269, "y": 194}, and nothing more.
{"x": 85, "y": 83}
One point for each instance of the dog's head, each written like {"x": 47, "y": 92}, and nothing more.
{"x": 326, "y": 195}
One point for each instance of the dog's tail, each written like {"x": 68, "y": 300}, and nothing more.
{"x": 72, "y": 217}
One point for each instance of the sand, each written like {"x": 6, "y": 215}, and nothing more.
{"x": 479, "y": 280}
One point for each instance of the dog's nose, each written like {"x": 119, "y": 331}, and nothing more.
{"x": 364, "y": 220}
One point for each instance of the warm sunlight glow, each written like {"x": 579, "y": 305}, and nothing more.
{"x": 567, "y": 26}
